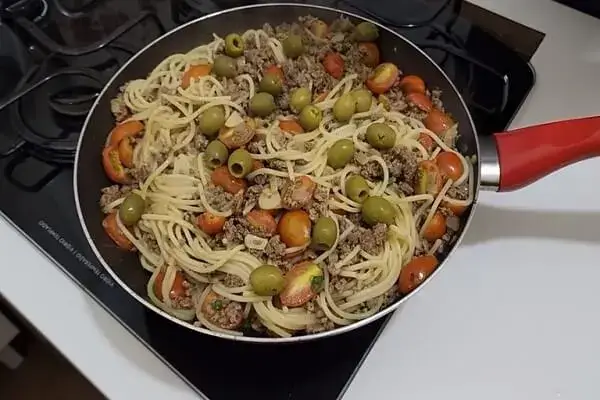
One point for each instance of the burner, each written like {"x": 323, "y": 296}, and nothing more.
{"x": 33, "y": 10}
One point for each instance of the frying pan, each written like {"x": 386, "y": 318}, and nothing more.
{"x": 505, "y": 161}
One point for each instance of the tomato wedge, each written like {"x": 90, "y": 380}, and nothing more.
{"x": 263, "y": 222}
{"x": 123, "y": 130}
{"x": 334, "y": 65}
{"x": 112, "y": 165}
{"x": 291, "y": 126}
{"x": 112, "y": 230}
{"x": 302, "y": 284}
{"x": 223, "y": 178}
{"x": 383, "y": 78}
{"x": 126, "y": 152}
{"x": 195, "y": 72}
{"x": 209, "y": 223}
{"x": 177, "y": 289}
{"x": 412, "y": 84}
{"x": 426, "y": 141}
{"x": 415, "y": 272}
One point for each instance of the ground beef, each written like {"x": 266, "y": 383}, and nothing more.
{"x": 370, "y": 240}
{"x": 323, "y": 323}
{"x": 234, "y": 231}
{"x": 275, "y": 249}
{"x": 290, "y": 197}
{"x": 200, "y": 142}
{"x": 371, "y": 171}
{"x": 396, "y": 99}
{"x": 224, "y": 312}
{"x": 140, "y": 174}
{"x": 277, "y": 164}
{"x": 460, "y": 192}
{"x": 233, "y": 281}
{"x": 238, "y": 90}
{"x": 402, "y": 164}
{"x": 150, "y": 240}
{"x": 119, "y": 109}
{"x": 237, "y": 202}
{"x": 251, "y": 195}
{"x": 218, "y": 198}
{"x": 257, "y": 145}
{"x": 354, "y": 61}
{"x": 113, "y": 193}
{"x": 415, "y": 112}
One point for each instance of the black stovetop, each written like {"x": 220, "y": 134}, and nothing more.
{"x": 61, "y": 52}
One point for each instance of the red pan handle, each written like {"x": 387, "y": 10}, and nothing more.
{"x": 528, "y": 154}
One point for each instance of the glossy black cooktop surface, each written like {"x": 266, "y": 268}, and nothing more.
{"x": 55, "y": 56}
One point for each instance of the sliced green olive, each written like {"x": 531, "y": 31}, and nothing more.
{"x": 234, "y": 45}
{"x": 356, "y": 188}
{"x": 267, "y": 280}
{"x": 324, "y": 233}
{"x": 300, "y": 98}
{"x": 240, "y": 163}
{"x": 131, "y": 209}
{"x": 293, "y": 46}
{"x": 216, "y": 154}
{"x": 363, "y": 99}
{"x": 211, "y": 120}
{"x": 381, "y": 136}
{"x": 310, "y": 117}
{"x": 366, "y": 32}
{"x": 271, "y": 83}
{"x": 262, "y": 104}
{"x": 344, "y": 108}
{"x": 340, "y": 153}
{"x": 377, "y": 210}
{"x": 225, "y": 66}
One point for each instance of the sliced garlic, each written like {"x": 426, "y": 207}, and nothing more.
{"x": 234, "y": 120}
{"x": 269, "y": 199}
{"x": 255, "y": 243}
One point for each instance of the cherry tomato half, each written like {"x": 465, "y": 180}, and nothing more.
{"x": 383, "y": 78}
{"x": 209, "y": 223}
{"x": 426, "y": 141}
{"x": 276, "y": 70}
{"x": 436, "y": 228}
{"x": 420, "y": 100}
{"x": 450, "y": 165}
{"x": 302, "y": 283}
{"x": 112, "y": 230}
{"x": 112, "y": 165}
{"x": 415, "y": 272}
{"x": 195, "y": 72}
{"x": 334, "y": 65}
{"x": 412, "y": 84}
{"x": 291, "y": 126}
{"x": 126, "y": 152}
{"x": 123, "y": 130}
{"x": 438, "y": 121}
{"x": 294, "y": 228}
{"x": 177, "y": 289}
{"x": 223, "y": 178}
{"x": 262, "y": 221}
{"x": 370, "y": 53}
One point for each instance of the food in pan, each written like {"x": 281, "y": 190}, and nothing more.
{"x": 283, "y": 181}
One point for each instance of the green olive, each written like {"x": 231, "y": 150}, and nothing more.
{"x": 377, "y": 210}
{"x": 131, "y": 209}
{"x": 240, "y": 163}
{"x": 324, "y": 233}
{"x": 262, "y": 104}
{"x": 301, "y": 97}
{"x": 271, "y": 83}
{"x": 366, "y": 32}
{"x": 216, "y": 154}
{"x": 310, "y": 117}
{"x": 267, "y": 280}
{"x": 381, "y": 136}
{"x": 356, "y": 188}
{"x": 211, "y": 120}
{"x": 363, "y": 99}
{"x": 225, "y": 66}
{"x": 234, "y": 45}
{"x": 293, "y": 46}
{"x": 340, "y": 153}
{"x": 344, "y": 108}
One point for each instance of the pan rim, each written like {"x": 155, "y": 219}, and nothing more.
{"x": 293, "y": 339}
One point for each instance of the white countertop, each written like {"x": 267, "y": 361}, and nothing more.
{"x": 514, "y": 315}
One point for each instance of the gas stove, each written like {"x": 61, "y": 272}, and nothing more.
{"x": 55, "y": 56}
